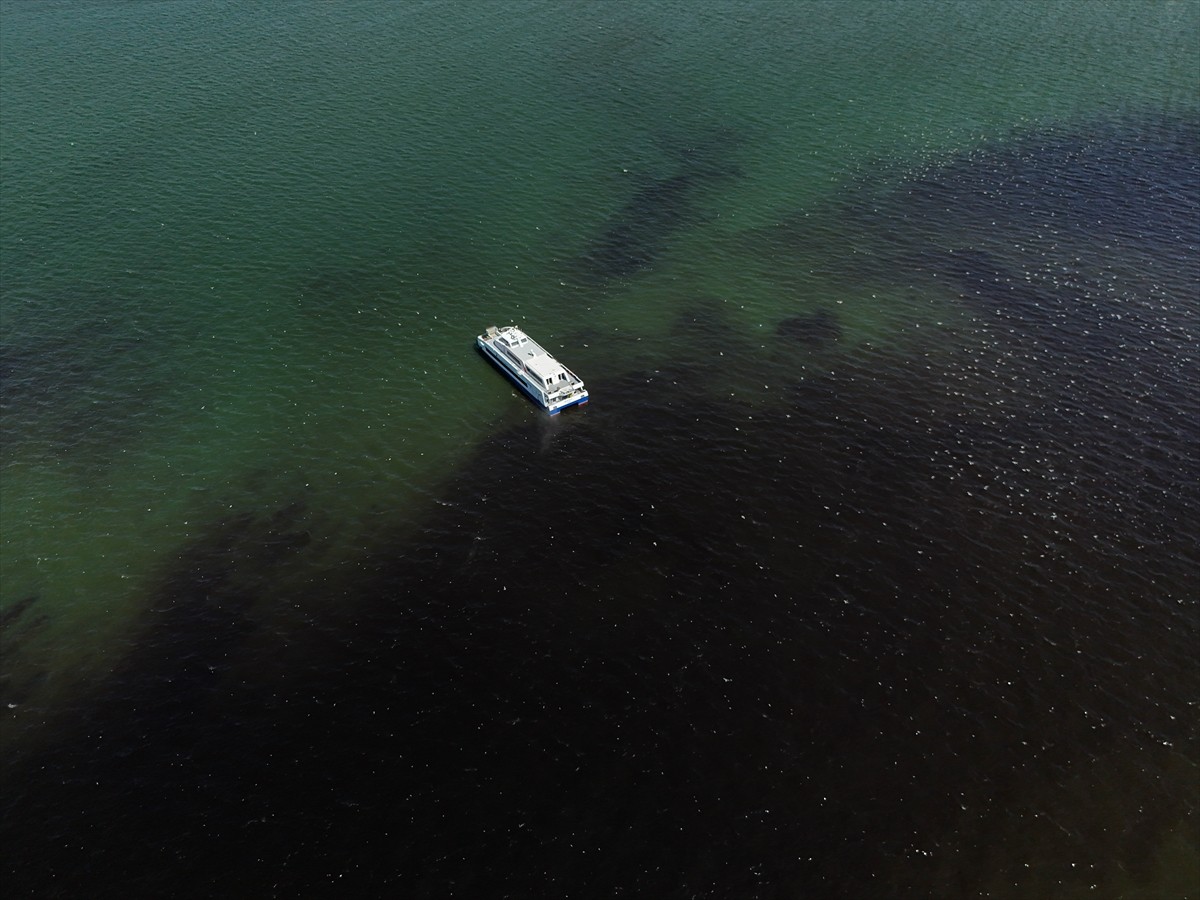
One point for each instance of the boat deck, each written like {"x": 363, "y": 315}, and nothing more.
{"x": 538, "y": 373}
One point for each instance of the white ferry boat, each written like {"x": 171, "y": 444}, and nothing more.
{"x": 534, "y": 370}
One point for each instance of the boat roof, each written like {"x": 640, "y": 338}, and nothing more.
{"x": 536, "y": 359}
{"x": 544, "y": 366}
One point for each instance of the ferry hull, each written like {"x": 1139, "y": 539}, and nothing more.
{"x": 577, "y": 401}
{"x": 506, "y": 366}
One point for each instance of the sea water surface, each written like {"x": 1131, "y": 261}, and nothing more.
{"x": 869, "y": 571}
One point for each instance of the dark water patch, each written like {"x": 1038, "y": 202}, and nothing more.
{"x": 14, "y": 612}
{"x": 325, "y": 289}
{"x": 204, "y": 606}
{"x": 91, "y": 388}
{"x": 1044, "y": 212}
{"x": 672, "y": 652}
{"x": 156, "y": 716}
{"x": 702, "y": 320}
{"x": 1071, "y": 254}
{"x": 1067, "y": 356}
{"x": 1073, "y": 310}
{"x": 19, "y": 685}
{"x": 20, "y": 622}
{"x": 691, "y": 631}
{"x": 1087, "y": 196}
{"x": 707, "y": 153}
{"x": 817, "y": 329}
{"x": 32, "y": 368}
{"x": 639, "y": 232}
{"x": 333, "y": 292}
{"x": 701, "y": 335}
{"x": 202, "y": 611}
{"x": 1134, "y": 181}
